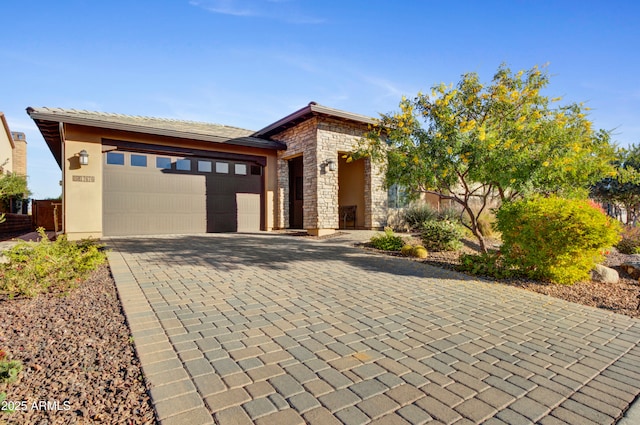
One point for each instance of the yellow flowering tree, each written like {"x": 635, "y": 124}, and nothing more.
{"x": 473, "y": 142}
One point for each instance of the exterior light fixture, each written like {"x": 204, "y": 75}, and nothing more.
{"x": 332, "y": 164}
{"x": 84, "y": 157}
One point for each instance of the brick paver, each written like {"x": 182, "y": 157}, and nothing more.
{"x": 273, "y": 329}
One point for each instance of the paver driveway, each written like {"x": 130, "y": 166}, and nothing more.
{"x": 280, "y": 330}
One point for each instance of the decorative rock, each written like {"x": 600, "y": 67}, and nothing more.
{"x": 604, "y": 274}
{"x": 633, "y": 268}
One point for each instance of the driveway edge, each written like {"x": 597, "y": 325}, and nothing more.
{"x": 163, "y": 371}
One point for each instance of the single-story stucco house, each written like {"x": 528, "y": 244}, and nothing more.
{"x": 132, "y": 175}
{"x": 13, "y": 149}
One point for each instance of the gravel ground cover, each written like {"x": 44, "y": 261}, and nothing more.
{"x": 622, "y": 297}
{"x": 79, "y": 362}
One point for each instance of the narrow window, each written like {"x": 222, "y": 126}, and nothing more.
{"x": 115, "y": 158}
{"x": 204, "y": 166}
{"x": 163, "y": 162}
{"x": 222, "y": 167}
{"x": 241, "y": 169}
{"x": 183, "y": 165}
{"x": 138, "y": 160}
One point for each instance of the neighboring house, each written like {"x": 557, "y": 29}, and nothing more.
{"x": 13, "y": 150}
{"x": 161, "y": 176}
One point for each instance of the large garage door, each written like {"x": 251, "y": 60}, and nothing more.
{"x": 155, "y": 194}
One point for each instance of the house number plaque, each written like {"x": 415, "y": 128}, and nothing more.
{"x": 84, "y": 179}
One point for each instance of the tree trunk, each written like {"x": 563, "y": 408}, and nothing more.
{"x": 475, "y": 229}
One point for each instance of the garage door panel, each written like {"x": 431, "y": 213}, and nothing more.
{"x": 149, "y": 200}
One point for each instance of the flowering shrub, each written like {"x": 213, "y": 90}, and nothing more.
{"x": 36, "y": 267}
{"x": 555, "y": 239}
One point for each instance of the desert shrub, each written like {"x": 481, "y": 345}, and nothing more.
{"x": 630, "y": 242}
{"x": 441, "y": 235}
{"x": 555, "y": 239}
{"x": 9, "y": 369}
{"x": 451, "y": 214}
{"x": 9, "y": 372}
{"x": 486, "y": 223}
{"x": 36, "y": 267}
{"x": 387, "y": 241}
{"x": 418, "y": 214}
{"x": 486, "y": 264}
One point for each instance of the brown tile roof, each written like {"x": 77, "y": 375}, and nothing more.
{"x": 303, "y": 114}
{"x": 48, "y": 120}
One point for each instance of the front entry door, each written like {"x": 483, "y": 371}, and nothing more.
{"x": 296, "y": 193}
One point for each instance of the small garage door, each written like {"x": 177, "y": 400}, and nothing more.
{"x": 155, "y": 194}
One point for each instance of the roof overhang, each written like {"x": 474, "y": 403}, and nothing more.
{"x": 5, "y": 125}
{"x": 309, "y": 111}
{"x": 48, "y": 123}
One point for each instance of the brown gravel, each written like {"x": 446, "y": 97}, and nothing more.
{"x": 622, "y": 297}
{"x": 76, "y": 351}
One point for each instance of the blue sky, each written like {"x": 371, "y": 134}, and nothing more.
{"x": 248, "y": 63}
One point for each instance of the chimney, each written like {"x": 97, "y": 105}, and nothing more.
{"x": 19, "y": 153}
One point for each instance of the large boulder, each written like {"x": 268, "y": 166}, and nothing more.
{"x": 632, "y": 267}
{"x": 604, "y": 274}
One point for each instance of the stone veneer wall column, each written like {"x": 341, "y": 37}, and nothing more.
{"x": 336, "y": 136}
{"x": 282, "y": 199}
{"x": 300, "y": 140}
{"x": 375, "y": 195}
{"x": 320, "y": 139}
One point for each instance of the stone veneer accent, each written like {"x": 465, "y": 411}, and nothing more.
{"x": 320, "y": 139}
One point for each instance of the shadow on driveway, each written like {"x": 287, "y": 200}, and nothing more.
{"x": 272, "y": 252}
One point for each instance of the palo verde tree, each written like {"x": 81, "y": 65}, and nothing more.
{"x": 506, "y": 139}
{"x": 622, "y": 189}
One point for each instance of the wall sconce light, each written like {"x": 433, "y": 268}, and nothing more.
{"x": 84, "y": 157}
{"x": 332, "y": 164}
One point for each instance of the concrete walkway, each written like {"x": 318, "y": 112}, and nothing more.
{"x": 272, "y": 329}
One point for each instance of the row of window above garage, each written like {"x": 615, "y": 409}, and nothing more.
{"x": 199, "y": 165}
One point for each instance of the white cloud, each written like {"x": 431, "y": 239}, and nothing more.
{"x": 280, "y": 10}
{"x": 224, "y": 7}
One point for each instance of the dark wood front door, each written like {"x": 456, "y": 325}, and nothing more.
{"x": 296, "y": 193}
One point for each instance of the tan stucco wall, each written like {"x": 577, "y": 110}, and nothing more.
{"x": 6, "y": 151}
{"x": 351, "y": 187}
{"x": 83, "y": 200}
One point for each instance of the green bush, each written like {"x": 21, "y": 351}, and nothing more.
{"x": 9, "y": 372}
{"x": 418, "y": 214}
{"x": 387, "y": 241}
{"x": 36, "y": 267}
{"x": 486, "y": 224}
{"x": 630, "y": 242}
{"x": 9, "y": 369}
{"x": 555, "y": 239}
{"x": 451, "y": 214}
{"x": 486, "y": 264}
{"x": 442, "y": 235}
